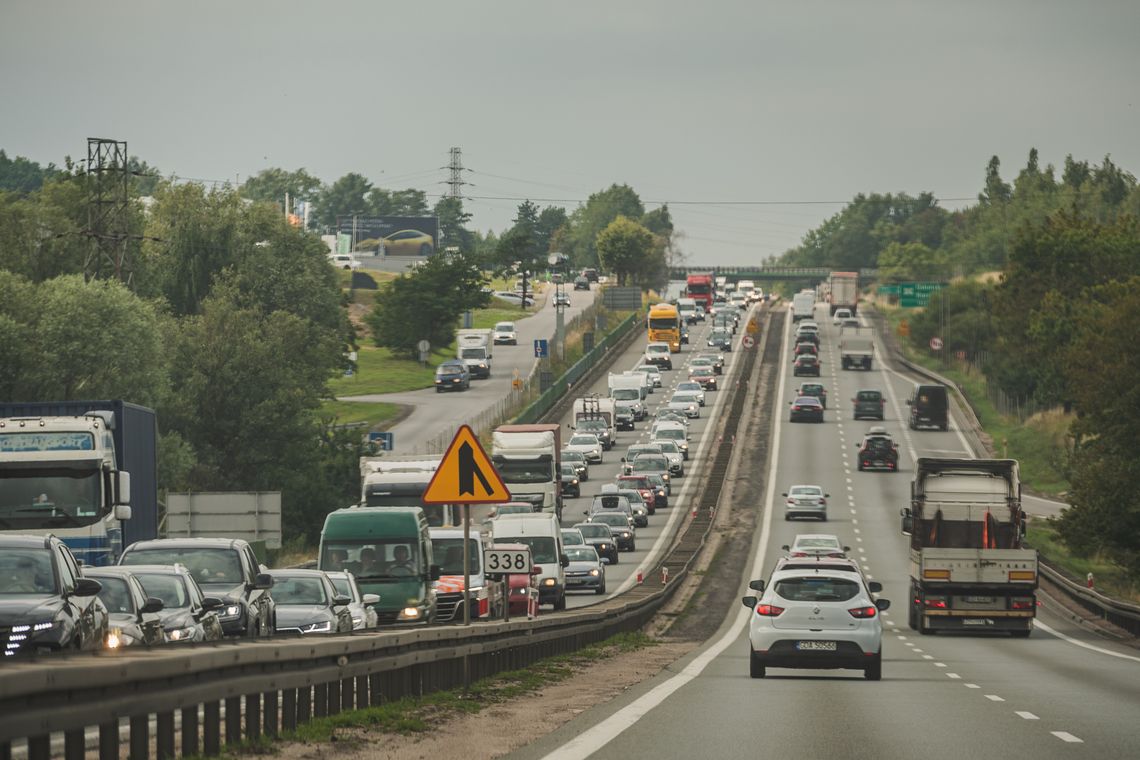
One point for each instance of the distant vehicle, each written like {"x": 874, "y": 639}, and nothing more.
{"x": 878, "y": 451}
{"x": 486, "y": 591}
{"x": 803, "y": 306}
{"x": 505, "y": 333}
{"x": 475, "y": 347}
{"x": 805, "y": 501}
{"x": 660, "y": 355}
{"x": 664, "y": 327}
{"x": 806, "y": 347}
{"x": 929, "y": 407}
{"x": 345, "y": 261}
{"x": 843, "y": 292}
{"x": 581, "y": 283}
{"x": 689, "y": 310}
{"x": 515, "y": 298}
{"x": 869, "y": 404}
{"x": 362, "y": 608}
{"x": 702, "y": 289}
{"x": 578, "y": 459}
{"x": 223, "y": 567}
{"x": 588, "y": 444}
{"x": 452, "y": 375}
{"x": 625, "y": 535}
{"x": 721, "y": 339}
{"x": 840, "y": 315}
{"x": 703, "y": 376}
{"x": 542, "y": 533}
{"x": 573, "y": 537}
{"x": 590, "y": 274}
{"x": 308, "y": 603}
{"x": 694, "y": 387}
{"x": 408, "y": 243}
{"x": 816, "y": 545}
{"x": 587, "y": 571}
{"x": 675, "y": 456}
{"x": 571, "y": 486}
{"x": 514, "y": 509}
{"x": 46, "y": 600}
{"x": 653, "y": 372}
{"x": 856, "y": 347}
{"x": 806, "y": 364}
{"x": 813, "y": 389}
{"x": 133, "y": 616}
{"x": 677, "y": 433}
{"x": 641, "y": 484}
{"x": 687, "y": 403}
{"x": 187, "y": 615}
{"x": 561, "y": 298}
{"x": 820, "y": 619}
{"x": 601, "y": 537}
{"x": 806, "y": 408}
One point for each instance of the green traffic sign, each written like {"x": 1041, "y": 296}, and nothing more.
{"x": 889, "y": 290}
{"x": 914, "y": 294}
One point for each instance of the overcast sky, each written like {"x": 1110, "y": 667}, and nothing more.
{"x": 694, "y": 103}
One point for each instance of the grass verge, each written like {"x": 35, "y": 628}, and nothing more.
{"x": 1110, "y": 579}
{"x": 374, "y": 416}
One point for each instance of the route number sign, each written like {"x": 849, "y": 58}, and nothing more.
{"x": 506, "y": 561}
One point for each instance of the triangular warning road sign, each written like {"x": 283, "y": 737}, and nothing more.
{"x": 466, "y": 475}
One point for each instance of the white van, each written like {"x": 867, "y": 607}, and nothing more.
{"x": 543, "y": 534}
{"x": 689, "y": 311}
{"x": 803, "y": 305}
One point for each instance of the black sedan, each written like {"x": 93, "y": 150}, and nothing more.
{"x": 308, "y": 603}
{"x": 625, "y": 535}
{"x": 721, "y": 339}
{"x": 806, "y": 409}
{"x": 570, "y": 483}
{"x": 813, "y": 389}
{"x": 187, "y": 615}
{"x": 45, "y": 604}
{"x": 134, "y": 616}
{"x": 601, "y": 538}
{"x": 806, "y": 364}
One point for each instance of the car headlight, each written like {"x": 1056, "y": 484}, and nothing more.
{"x": 33, "y": 628}
{"x": 179, "y": 634}
{"x": 625, "y": 534}
{"x": 322, "y": 627}
{"x": 574, "y": 481}
{"x": 117, "y": 639}
{"x": 519, "y": 591}
{"x": 231, "y": 611}
{"x": 595, "y": 572}
{"x": 410, "y": 613}
{"x": 357, "y": 620}
{"x": 548, "y": 582}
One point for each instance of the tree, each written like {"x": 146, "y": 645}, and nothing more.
{"x": 410, "y": 202}
{"x": 625, "y": 248}
{"x": 901, "y": 262}
{"x": 426, "y": 304}
{"x": 272, "y": 185}
{"x": 997, "y": 191}
{"x": 345, "y": 197}
{"x": 600, "y": 209}
{"x": 453, "y": 221}
{"x": 20, "y": 175}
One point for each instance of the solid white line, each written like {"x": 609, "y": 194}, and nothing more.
{"x": 1026, "y": 715}
{"x": 1065, "y": 736}
{"x": 591, "y": 740}
{"x": 1083, "y": 645}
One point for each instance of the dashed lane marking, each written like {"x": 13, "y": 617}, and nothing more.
{"x": 1065, "y": 736}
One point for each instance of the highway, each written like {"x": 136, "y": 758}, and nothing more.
{"x": 1061, "y": 693}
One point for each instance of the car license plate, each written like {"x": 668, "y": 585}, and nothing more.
{"x": 819, "y": 646}
{"x": 980, "y": 600}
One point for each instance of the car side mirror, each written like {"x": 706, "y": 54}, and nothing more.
{"x": 370, "y": 599}
{"x": 846, "y": 548}
{"x": 564, "y": 560}
{"x": 536, "y": 570}
{"x": 907, "y": 521}
{"x": 263, "y": 581}
{"x": 874, "y": 586}
{"x": 153, "y": 604}
{"x": 784, "y": 494}
{"x": 211, "y": 603}
{"x": 122, "y": 512}
{"x": 757, "y": 585}
{"x": 883, "y": 604}
{"x": 87, "y": 587}
{"x": 605, "y": 560}
{"x": 436, "y": 572}
{"x": 750, "y": 602}
{"x": 340, "y": 600}
{"x": 786, "y": 548}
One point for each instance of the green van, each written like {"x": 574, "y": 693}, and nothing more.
{"x": 388, "y": 549}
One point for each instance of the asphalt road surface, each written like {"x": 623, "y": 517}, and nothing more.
{"x": 1061, "y": 693}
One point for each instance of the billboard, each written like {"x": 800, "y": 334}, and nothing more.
{"x": 396, "y": 235}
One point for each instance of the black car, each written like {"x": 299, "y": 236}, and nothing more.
{"x": 187, "y": 615}
{"x": 581, "y": 282}
{"x": 625, "y": 535}
{"x": 570, "y": 483}
{"x": 46, "y": 604}
{"x": 878, "y": 451}
{"x": 806, "y": 409}
{"x": 624, "y": 415}
{"x": 721, "y": 339}
{"x": 601, "y": 538}
{"x": 929, "y": 407}
{"x": 308, "y": 603}
{"x": 134, "y": 618}
{"x": 806, "y": 364}
{"x": 578, "y": 459}
{"x": 813, "y": 389}
{"x": 223, "y": 567}
{"x": 717, "y": 361}
{"x": 452, "y": 375}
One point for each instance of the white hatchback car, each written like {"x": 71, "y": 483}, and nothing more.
{"x": 505, "y": 333}
{"x": 820, "y": 618}
{"x": 686, "y": 403}
{"x": 692, "y": 386}
{"x": 840, "y": 315}
{"x": 588, "y": 444}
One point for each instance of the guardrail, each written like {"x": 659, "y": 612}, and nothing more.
{"x": 1120, "y": 613}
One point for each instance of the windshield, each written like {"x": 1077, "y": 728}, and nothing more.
{"x": 686, "y": 398}
{"x": 505, "y": 327}
{"x": 32, "y": 499}
{"x": 698, "y": 288}
{"x": 650, "y": 463}
{"x": 473, "y": 353}
{"x": 584, "y": 440}
{"x": 116, "y": 595}
{"x": 618, "y": 520}
{"x": 571, "y": 537}
{"x": 806, "y": 491}
{"x": 542, "y": 548}
{"x": 525, "y": 470}
{"x": 26, "y": 571}
{"x": 814, "y": 589}
{"x": 595, "y": 531}
{"x": 290, "y": 590}
{"x": 448, "y": 554}
{"x": 657, "y": 348}
{"x": 171, "y": 589}
{"x": 675, "y": 434}
{"x": 448, "y": 369}
{"x": 343, "y": 587}
{"x": 688, "y": 387}
{"x": 372, "y": 559}
{"x": 627, "y": 394}
{"x": 207, "y": 565}
{"x": 582, "y": 554}
{"x": 662, "y": 323}
{"x": 669, "y": 447}
{"x": 869, "y": 396}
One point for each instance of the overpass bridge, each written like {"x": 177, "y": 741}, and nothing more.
{"x": 735, "y": 274}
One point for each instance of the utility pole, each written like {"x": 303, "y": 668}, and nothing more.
{"x": 456, "y": 168}
{"x": 108, "y": 209}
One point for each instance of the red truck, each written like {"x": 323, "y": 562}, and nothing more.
{"x": 701, "y": 288}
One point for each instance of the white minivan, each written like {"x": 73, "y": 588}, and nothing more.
{"x": 543, "y": 534}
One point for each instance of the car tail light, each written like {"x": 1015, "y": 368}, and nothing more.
{"x": 823, "y": 502}
{"x": 1022, "y": 603}
{"x": 866, "y": 463}
{"x": 799, "y": 554}
{"x": 937, "y": 602}
{"x": 864, "y": 612}
{"x": 769, "y": 610}
{"x": 837, "y": 555}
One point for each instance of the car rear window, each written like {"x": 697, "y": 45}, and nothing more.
{"x": 869, "y": 396}
{"x": 816, "y": 589}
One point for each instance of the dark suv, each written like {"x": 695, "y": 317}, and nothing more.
{"x": 223, "y": 567}
{"x": 929, "y": 407}
{"x": 868, "y": 405}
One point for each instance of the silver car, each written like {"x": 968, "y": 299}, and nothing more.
{"x": 692, "y": 386}
{"x": 588, "y": 445}
{"x": 652, "y": 372}
{"x": 675, "y": 456}
{"x": 362, "y": 607}
{"x": 686, "y": 403}
{"x": 586, "y": 571}
{"x": 805, "y": 501}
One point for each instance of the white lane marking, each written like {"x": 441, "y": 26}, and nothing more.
{"x": 994, "y": 698}
{"x": 902, "y": 638}
{"x": 1065, "y": 736}
{"x": 920, "y": 651}
{"x": 854, "y": 529}
{"x": 927, "y": 657}
{"x": 591, "y": 740}
{"x": 1083, "y": 645}
{"x": 953, "y": 675}
{"x": 971, "y": 686}
{"x": 911, "y": 644}
{"x": 939, "y": 664}
{"x": 858, "y": 538}
{"x": 1026, "y": 715}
